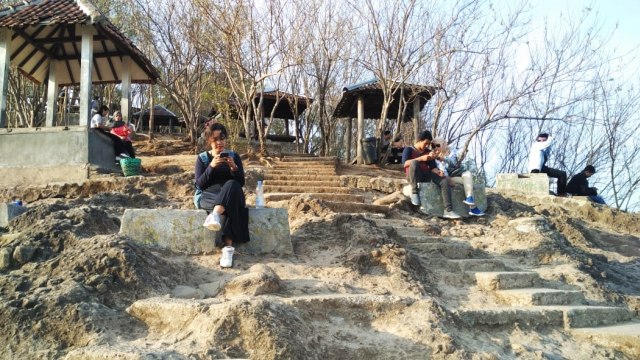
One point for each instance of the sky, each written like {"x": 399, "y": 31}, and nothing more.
{"x": 621, "y": 13}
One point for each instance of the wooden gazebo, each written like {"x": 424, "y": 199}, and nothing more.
{"x": 364, "y": 101}
{"x": 63, "y": 42}
{"x": 283, "y": 106}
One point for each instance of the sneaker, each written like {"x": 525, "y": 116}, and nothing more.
{"x": 451, "y": 215}
{"x": 476, "y": 212}
{"x": 226, "y": 260}
{"x": 415, "y": 199}
{"x": 125, "y": 156}
{"x": 469, "y": 201}
{"x": 213, "y": 222}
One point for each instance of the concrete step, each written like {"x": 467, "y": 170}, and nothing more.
{"x": 447, "y": 249}
{"x": 464, "y": 265}
{"x": 503, "y": 280}
{"x": 318, "y": 163}
{"x": 305, "y": 177}
{"x": 308, "y": 158}
{"x": 321, "y": 196}
{"x": 319, "y": 171}
{"x": 590, "y": 316}
{"x": 386, "y": 223}
{"x": 311, "y": 183}
{"x": 624, "y": 337}
{"x": 566, "y": 316}
{"x": 306, "y": 189}
{"x": 349, "y": 207}
{"x": 539, "y": 296}
{"x": 501, "y": 316}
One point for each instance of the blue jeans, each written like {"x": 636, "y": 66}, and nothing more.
{"x": 597, "y": 199}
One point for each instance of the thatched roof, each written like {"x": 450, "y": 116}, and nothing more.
{"x": 285, "y": 107}
{"x": 48, "y": 30}
{"x": 373, "y": 97}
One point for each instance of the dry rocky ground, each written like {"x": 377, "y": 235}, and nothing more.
{"x": 353, "y": 289}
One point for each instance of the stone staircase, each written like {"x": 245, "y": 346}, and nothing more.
{"x": 484, "y": 291}
{"x": 315, "y": 177}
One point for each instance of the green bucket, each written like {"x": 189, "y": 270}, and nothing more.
{"x": 130, "y": 166}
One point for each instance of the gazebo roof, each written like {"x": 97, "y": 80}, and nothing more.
{"x": 45, "y": 30}
{"x": 284, "y": 110}
{"x": 373, "y": 97}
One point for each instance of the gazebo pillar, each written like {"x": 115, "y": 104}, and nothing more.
{"x": 125, "y": 101}
{"x": 52, "y": 95}
{"x": 416, "y": 118}
{"x": 86, "y": 70}
{"x": 359, "y": 156}
{"x": 5, "y": 64}
{"x": 347, "y": 139}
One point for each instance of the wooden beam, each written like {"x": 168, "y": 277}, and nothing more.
{"x": 416, "y": 118}
{"x": 86, "y": 64}
{"x": 55, "y": 40}
{"x": 5, "y": 64}
{"x": 113, "y": 70}
{"x": 41, "y": 48}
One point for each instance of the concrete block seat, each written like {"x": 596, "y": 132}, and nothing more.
{"x": 530, "y": 183}
{"x": 431, "y": 198}
{"x": 182, "y": 230}
{"x": 61, "y": 154}
{"x": 8, "y": 212}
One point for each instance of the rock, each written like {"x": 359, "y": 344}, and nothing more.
{"x": 23, "y": 254}
{"x": 390, "y": 199}
{"x": 186, "y": 292}
{"x": 536, "y": 224}
{"x": 5, "y": 258}
{"x": 260, "y": 280}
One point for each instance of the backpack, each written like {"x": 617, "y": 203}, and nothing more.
{"x": 204, "y": 157}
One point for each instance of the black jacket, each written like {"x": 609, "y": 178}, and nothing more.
{"x": 579, "y": 185}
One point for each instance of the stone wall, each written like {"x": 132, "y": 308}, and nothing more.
{"x": 530, "y": 183}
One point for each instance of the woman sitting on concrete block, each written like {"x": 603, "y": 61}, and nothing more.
{"x": 219, "y": 181}
{"x": 448, "y": 163}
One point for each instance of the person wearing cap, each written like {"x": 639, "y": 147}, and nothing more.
{"x": 579, "y": 185}
{"x": 538, "y": 156}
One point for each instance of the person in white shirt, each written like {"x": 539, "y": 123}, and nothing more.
{"x": 99, "y": 123}
{"x": 538, "y": 156}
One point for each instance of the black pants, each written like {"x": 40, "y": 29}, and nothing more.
{"x": 417, "y": 175}
{"x": 231, "y": 196}
{"x": 120, "y": 146}
{"x": 560, "y": 175}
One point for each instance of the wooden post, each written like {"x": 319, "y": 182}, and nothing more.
{"x": 125, "y": 100}
{"x": 52, "y": 95}
{"x": 5, "y": 65}
{"x": 360, "y": 155}
{"x": 348, "y": 137}
{"x": 86, "y": 70}
{"x": 416, "y": 118}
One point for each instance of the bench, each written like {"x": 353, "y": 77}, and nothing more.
{"x": 431, "y": 198}
{"x": 530, "y": 183}
{"x": 182, "y": 230}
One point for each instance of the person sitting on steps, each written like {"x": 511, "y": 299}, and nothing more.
{"x": 420, "y": 166}
{"x": 579, "y": 185}
{"x": 538, "y": 156}
{"x": 99, "y": 123}
{"x": 448, "y": 163}
{"x": 219, "y": 178}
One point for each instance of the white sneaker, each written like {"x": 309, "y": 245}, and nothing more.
{"x": 451, "y": 215}
{"x": 213, "y": 221}
{"x": 226, "y": 260}
{"x": 415, "y": 199}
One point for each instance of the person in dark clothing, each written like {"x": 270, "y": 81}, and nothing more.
{"x": 420, "y": 166}
{"x": 579, "y": 185}
{"x": 219, "y": 178}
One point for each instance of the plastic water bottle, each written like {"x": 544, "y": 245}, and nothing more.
{"x": 259, "y": 195}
